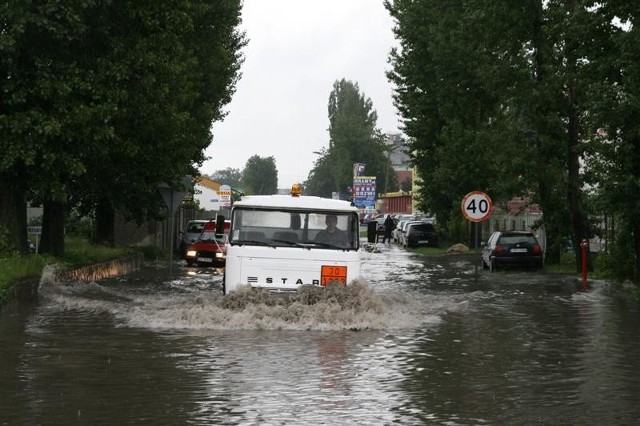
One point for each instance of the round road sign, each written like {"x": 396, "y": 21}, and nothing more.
{"x": 476, "y": 206}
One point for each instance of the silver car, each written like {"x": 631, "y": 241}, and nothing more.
{"x": 190, "y": 234}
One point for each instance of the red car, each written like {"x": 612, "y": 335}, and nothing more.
{"x": 210, "y": 249}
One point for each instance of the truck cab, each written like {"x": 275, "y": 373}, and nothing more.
{"x": 280, "y": 242}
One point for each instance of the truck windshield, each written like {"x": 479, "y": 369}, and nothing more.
{"x": 295, "y": 228}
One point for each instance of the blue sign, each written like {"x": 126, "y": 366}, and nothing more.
{"x": 364, "y": 192}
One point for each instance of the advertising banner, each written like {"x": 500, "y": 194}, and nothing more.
{"x": 207, "y": 197}
{"x": 225, "y": 195}
{"x": 364, "y": 192}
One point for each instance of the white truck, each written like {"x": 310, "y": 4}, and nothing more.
{"x": 281, "y": 242}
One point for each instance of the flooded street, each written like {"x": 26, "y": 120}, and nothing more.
{"x": 422, "y": 340}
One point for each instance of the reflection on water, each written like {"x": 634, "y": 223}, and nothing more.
{"x": 417, "y": 341}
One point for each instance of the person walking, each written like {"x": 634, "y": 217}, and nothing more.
{"x": 389, "y": 224}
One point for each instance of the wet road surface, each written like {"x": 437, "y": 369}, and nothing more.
{"x": 421, "y": 340}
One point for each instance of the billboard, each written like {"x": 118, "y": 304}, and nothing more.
{"x": 364, "y": 192}
{"x": 207, "y": 198}
{"x": 225, "y": 195}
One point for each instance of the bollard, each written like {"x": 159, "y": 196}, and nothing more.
{"x": 584, "y": 246}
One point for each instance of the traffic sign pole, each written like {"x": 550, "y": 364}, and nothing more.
{"x": 476, "y": 207}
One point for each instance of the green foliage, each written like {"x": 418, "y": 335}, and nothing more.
{"x": 511, "y": 100}
{"x": 80, "y": 251}
{"x": 456, "y": 229}
{"x": 152, "y": 253}
{"x": 619, "y": 261}
{"x": 15, "y": 268}
{"x": 354, "y": 138}
{"x": 228, "y": 176}
{"x": 102, "y": 101}
{"x": 79, "y": 226}
{"x": 260, "y": 176}
{"x": 6, "y": 247}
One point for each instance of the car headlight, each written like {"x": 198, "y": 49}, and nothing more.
{"x": 219, "y": 255}
{"x": 191, "y": 253}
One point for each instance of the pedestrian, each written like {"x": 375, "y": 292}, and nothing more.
{"x": 389, "y": 224}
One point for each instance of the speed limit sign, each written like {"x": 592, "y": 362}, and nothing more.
{"x": 476, "y": 206}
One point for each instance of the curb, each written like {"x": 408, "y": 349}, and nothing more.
{"x": 26, "y": 291}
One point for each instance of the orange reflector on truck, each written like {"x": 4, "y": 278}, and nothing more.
{"x": 330, "y": 273}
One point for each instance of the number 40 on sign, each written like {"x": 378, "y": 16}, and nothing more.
{"x": 476, "y": 206}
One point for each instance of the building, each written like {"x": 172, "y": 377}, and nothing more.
{"x": 399, "y": 201}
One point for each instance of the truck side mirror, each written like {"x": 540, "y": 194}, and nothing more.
{"x": 220, "y": 224}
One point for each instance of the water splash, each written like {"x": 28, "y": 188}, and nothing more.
{"x": 355, "y": 307}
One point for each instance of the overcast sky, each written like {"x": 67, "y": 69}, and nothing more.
{"x": 296, "y": 50}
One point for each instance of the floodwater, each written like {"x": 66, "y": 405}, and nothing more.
{"x": 421, "y": 340}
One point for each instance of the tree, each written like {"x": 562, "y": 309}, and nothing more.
{"x": 260, "y": 176}
{"x": 449, "y": 111}
{"x": 107, "y": 100}
{"x": 228, "y": 176}
{"x": 321, "y": 179}
{"x": 493, "y": 97}
{"x": 613, "y": 156}
{"x": 353, "y": 138}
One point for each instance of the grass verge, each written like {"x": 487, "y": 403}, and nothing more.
{"x": 78, "y": 252}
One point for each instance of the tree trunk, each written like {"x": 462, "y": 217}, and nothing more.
{"x": 635, "y": 217}
{"x": 13, "y": 212}
{"x": 105, "y": 223}
{"x": 53, "y": 227}
{"x": 579, "y": 222}
{"x": 549, "y": 199}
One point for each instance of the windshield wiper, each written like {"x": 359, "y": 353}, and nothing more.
{"x": 291, "y": 243}
{"x": 328, "y": 245}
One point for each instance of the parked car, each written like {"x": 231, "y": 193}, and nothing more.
{"x": 396, "y": 232}
{"x": 191, "y": 234}
{"x": 401, "y": 234}
{"x": 210, "y": 249}
{"x": 512, "y": 249}
{"x": 366, "y": 218}
{"x": 421, "y": 234}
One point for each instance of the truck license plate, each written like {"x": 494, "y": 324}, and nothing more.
{"x": 329, "y": 273}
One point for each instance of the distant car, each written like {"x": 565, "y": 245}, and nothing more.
{"x": 368, "y": 217}
{"x": 402, "y": 221}
{"x": 380, "y": 219}
{"x": 190, "y": 235}
{"x": 402, "y": 232}
{"x": 512, "y": 249}
{"x": 421, "y": 234}
{"x": 210, "y": 249}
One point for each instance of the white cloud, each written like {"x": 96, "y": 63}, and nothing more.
{"x": 297, "y": 49}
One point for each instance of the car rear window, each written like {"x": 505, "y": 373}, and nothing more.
{"x": 427, "y": 227}
{"x": 517, "y": 239}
